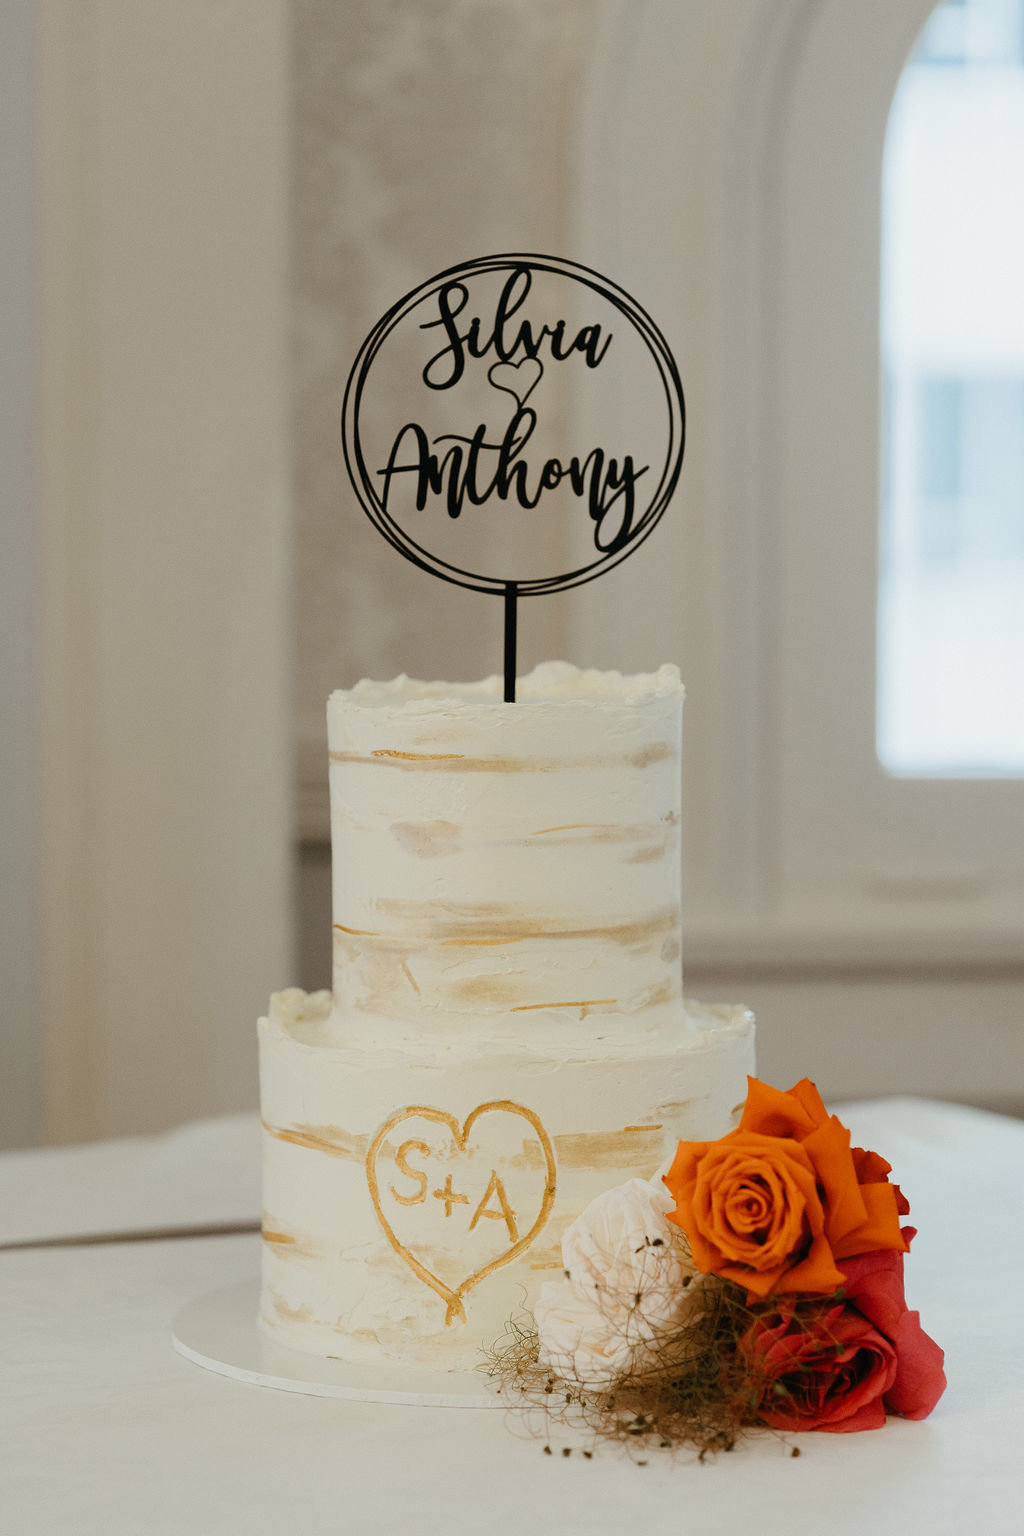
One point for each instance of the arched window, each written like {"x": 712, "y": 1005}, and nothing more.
{"x": 951, "y": 577}
{"x": 893, "y": 867}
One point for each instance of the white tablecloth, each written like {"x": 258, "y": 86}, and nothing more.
{"x": 105, "y": 1430}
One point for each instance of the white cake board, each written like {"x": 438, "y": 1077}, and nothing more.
{"x": 220, "y": 1332}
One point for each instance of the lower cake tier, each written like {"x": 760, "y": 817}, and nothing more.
{"x": 414, "y": 1200}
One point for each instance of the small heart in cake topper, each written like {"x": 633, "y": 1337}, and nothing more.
{"x": 506, "y": 1188}
{"x": 517, "y": 379}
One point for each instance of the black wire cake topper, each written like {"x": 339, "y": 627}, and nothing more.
{"x": 500, "y": 349}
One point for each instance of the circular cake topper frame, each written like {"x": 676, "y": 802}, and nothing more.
{"x": 508, "y": 349}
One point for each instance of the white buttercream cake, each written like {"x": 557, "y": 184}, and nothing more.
{"x": 506, "y": 1036}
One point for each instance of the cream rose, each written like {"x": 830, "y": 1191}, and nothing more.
{"x": 629, "y": 1279}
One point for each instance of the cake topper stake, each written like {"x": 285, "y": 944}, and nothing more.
{"x": 473, "y": 328}
{"x": 511, "y": 598}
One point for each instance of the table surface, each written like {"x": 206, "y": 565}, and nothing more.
{"x": 105, "y": 1430}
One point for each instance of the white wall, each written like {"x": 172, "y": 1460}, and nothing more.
{"x": 164, "y": 516}
{"x": 19, "y": 757}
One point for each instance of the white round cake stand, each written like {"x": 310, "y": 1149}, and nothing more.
{"x": 219, "y": 1331}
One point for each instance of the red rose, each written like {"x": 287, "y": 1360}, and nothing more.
{"x": 820, "y": 1367}
{"x": 840, "y": 1365}
{"x": 874, "y": 1285}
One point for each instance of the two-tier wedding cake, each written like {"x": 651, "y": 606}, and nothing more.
{"x": 506, "y": 1036}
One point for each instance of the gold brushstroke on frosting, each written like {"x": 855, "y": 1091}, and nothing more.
{"x": 321, "y": 1138}
{"x": 303, "y": 1314}
{"x": 501, "y": 990}
{"x": 674, "y": 1110}
{"x": 380, "y": 972}
{"x": 650, "y": 834}
{"x": 611, "y": 1149}
{"x": 587, "y": 1002}
{"x": 657, "y": 752}
{"x": 485, "y": 943}
{"x": 576, "y": 826}
{"x": 456, "y": 762}
{"x": 427, "y": 839}
{"x": 285, "y": 1244}
{"x": 377, "y": 976}
{"x": 476, "y": 923}
{"x": 334, "y": 1142}
{"x": 413, "y": 757}
{"x": 598, "y": 1149}
{"x": 546, "y": 1258}
{"x": 531, "y": 1157}
{"x": 649, "y": 855}
{"x": 452, "y": 1296}
{"x": 665, "y": 992}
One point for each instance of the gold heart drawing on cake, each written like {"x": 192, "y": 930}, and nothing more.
{"x": 496, "y": 1194}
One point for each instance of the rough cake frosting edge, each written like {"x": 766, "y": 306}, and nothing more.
{"x": 549, "y": 681}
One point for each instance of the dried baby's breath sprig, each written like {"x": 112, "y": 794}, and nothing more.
{"x": 693, "y": 1387}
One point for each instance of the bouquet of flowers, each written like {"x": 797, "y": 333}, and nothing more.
{"x": 762, "y": 1285}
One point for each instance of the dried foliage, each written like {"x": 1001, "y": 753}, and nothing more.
{"x": 693, "y": 1388}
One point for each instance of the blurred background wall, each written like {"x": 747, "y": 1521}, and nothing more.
{"x": 219, "y": 201}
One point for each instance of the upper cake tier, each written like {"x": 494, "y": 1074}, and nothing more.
{"x": 510, "y": 866}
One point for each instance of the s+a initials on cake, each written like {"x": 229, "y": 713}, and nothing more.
{"x": 459, "y": 1201}
{"x": 495, "y": 1191}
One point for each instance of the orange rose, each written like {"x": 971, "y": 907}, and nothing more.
{"x": 774, "y": 1204}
